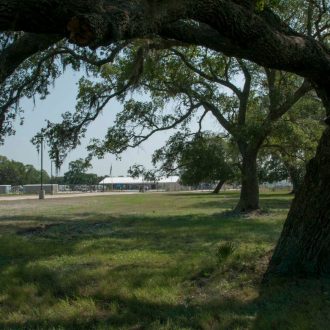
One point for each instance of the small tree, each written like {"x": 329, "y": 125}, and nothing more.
{"x": 77, "y": 173}
{"x": 206, "y": 158}
{"x": 295, "y": 137}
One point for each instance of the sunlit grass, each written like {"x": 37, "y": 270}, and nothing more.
{"x": 149, "y": 261}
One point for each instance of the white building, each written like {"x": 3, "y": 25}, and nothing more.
{"x": 171, "y": 183}
{"x": 5, "y": 189}
{"x": 51, "y": 189}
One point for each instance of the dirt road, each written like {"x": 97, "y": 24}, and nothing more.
{"x": 65, "y": 195}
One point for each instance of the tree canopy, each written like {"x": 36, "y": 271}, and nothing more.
{"x": 77, "y": 174}
{"x": 16, "y": 173}
{"x": 207, "y": 158}
{"x": 39, "y": 36}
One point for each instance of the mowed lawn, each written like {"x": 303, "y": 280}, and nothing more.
{"x": 149, "y": 261}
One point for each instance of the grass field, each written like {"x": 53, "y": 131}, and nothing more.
{"x": 149, "y": 261}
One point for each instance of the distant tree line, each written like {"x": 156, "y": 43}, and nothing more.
{"x": 16, "y": 173}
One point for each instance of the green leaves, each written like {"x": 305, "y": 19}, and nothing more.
{"x": 204, "y": 158}
{"x": 77, "y": 173}
{"x": 16, "y": 173}
{"x": 260, "y": 5}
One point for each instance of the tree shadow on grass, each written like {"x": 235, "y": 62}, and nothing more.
{"x": 230, "y": 203}
{"x": 109, "y": 306}
{"x": 293, "y": 303}
{"x": 98, "y": 225}
{"x": 273, "y": 203}
{"x": 138, "y": 314}
{"x": 117, "y": 259}
{"x": 99, "y": 262}
{"x": 285, "y": 304}
{"x": 207, "y": 195}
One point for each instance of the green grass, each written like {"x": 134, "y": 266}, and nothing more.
{"x": 149, "y": 261}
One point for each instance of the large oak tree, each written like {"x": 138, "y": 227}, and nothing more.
{"x": 233, "y": 27}
{"x": 245, "y": 99}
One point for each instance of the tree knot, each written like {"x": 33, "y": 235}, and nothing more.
{"x": 98, "y": 29}
{"x": 80, "y": 31}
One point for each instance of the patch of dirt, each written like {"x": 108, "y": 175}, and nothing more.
{"x": 263, "y": 262}
{"x": 202, "y": 278}
{"x": 36, "y": 230}
{"x": 255, "y": 213}
{"x": 67, "y": 230}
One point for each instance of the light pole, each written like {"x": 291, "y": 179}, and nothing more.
{"x": 42, "y": 191}
{"x": 51, "y": 172}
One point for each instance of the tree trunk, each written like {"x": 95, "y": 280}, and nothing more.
{"x": 249, "y": 197}
{"x": 295, "y": 178}
{"x": 304, "y": 245}
{"x": 218, "y": 187}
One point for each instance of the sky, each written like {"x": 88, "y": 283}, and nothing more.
{"x": 62, "y": 98}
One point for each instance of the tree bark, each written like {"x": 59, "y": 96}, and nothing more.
{"x": 295, "y": 178}
{"x": 237, "y": 30}
{"x": 218, "y": 187}
{"x": 249, "y": 196}
{"x": 304, "y": 245}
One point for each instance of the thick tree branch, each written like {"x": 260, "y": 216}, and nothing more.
{"x": 174, "y": 124}
{"x": 26, "y": 46}
{"x": 284, "y": 107}
{"x": 244, "y": 98}
{"x": 211, "y": 78}
{"x": 273, "y": 99}
{"x": 219, "y": 116}
{"x": 276, "y": 112}
{"x": 261, "y": 38}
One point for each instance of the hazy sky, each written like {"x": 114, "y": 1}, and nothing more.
{"x": 62, "y": 98}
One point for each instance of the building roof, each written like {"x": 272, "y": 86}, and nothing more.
{"x": 139, "y": 180}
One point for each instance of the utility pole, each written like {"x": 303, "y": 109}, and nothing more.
{"x": 42, "y": 191}
{"x": 51, "y": 172}
{"x": 111, "y": 177}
